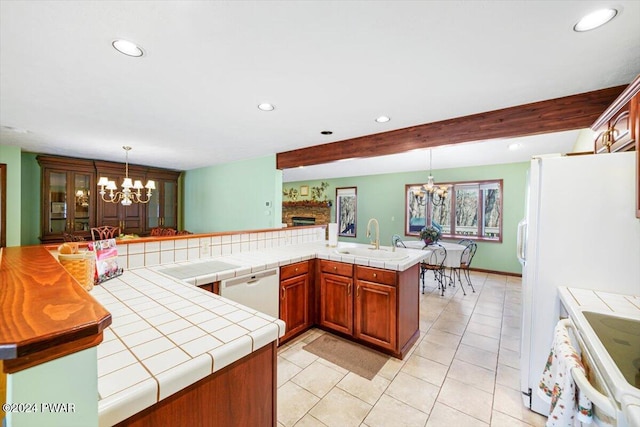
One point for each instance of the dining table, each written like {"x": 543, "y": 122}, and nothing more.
{"x": 454, "y": 251}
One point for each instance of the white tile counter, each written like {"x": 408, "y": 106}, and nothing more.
{"x": 167, "y": 334}
{"x": 252, "y": 262}
{"x": 577, "y": 301}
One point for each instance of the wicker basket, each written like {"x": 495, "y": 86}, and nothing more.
{"x": 82, "y": 266}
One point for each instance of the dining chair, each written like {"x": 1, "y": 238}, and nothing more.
{"x": 68, "y": 237}
{"x": 465, "y": 263}
{"x": 169, "y": 232}
{"x": 465, "y": 242}
{"x": 396, "y": 241}
{"x": 435, "y": 263}
{"x": 104, "y": 232}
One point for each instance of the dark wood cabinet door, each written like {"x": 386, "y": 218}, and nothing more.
{"x": 336, "y": 303}
{"x": 375, "y": 314}
{"x": 294, "y": 311}
{"x": 68, "y": 198}
{"x": 162, "y": 209}
{"x": 618, "y": 134}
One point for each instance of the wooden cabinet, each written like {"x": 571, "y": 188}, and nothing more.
{"x": 67, "y": 198}
{"x": 294, "y": 298}
{"x": 70, "y": 202}
{"x": 617, "y": 133}
{"x": 618, "y": 129}
{"x": 213, "y": 287}
{"x": 336, "y": 297}
{"x": 162, "y": 209}
{"x": 373, "y": 306}
{"x": 376, "y": 307}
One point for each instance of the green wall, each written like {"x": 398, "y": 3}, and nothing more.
{"x": 30, "y": 200}
{"x": 233, "y": 196}
{"x": 382, "y": 197}
{"x": 10, "y": 156}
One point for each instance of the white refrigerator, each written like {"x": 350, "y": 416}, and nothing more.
{"x": 580, "y": 230}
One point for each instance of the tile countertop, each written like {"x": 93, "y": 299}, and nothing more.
{"x": 167, "y": 334}
{"x": 576, "y": 301}
{"x": 251, "y": 262}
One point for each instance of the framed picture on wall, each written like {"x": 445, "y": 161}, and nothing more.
{"x": 415, "y": 209}
{"x": 346, "y": 211}
{"x": 304, "y": 190}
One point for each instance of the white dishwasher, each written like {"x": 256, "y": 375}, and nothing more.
{"x": 259, "y": 291}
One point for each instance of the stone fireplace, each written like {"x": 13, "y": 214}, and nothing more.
{"x": 305, "y": 212}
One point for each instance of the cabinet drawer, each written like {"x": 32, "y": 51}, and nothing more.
{"x": 293, "y": 270}
{"x": 376, "y": 275}
{"x": 339, "y": 268}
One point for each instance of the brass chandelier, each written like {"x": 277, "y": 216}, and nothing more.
{"x": 131, "y": 190}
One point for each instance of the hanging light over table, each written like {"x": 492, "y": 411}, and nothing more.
{"x": 436, "y": 193}
{"x": 131, "y": 190}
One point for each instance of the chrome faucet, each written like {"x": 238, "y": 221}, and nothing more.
{"x": 376, "y": 242}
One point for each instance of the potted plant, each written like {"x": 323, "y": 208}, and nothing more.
{"x": 430, "y": 234}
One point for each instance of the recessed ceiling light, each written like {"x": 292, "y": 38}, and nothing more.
{"x": 326, "y": 132}
{"x": 266, "y": 107}
{"x": 514, "y": 146}
{"x": 128, "y": 48}
{"x": 383, "y": 119}
{"x": 595, "y": 19}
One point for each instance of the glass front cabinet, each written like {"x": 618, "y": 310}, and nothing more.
{"x": 68, "y": 198}
{"x": 71, "y": 205}
{"x": 162, "y": 209}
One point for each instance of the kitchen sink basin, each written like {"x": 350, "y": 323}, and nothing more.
{"x": 197, "y": 269}
{"x": 371, "y": 253}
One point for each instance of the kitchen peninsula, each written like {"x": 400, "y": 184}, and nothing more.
{"x": 171, "y": 342}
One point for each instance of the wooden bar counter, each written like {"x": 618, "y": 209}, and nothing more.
{"x": 44, "y": 313}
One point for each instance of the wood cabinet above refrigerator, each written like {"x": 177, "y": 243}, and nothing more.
{"x": 618, "y": 129}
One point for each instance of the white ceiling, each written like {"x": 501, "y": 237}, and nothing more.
{"x": 191, "y": 100}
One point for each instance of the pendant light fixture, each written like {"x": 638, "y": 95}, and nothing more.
{"x": 131, "y": 191}
{"x": 436, "y": 193}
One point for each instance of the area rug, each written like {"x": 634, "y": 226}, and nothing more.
{"x": 351, "y": 356}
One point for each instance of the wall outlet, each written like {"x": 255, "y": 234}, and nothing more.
{"x": 205, "y": 249}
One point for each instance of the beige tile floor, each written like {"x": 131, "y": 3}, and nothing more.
{"x": 462, "y": 371}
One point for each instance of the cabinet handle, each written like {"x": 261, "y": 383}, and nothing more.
{"x": 335, "y": 268}
{"x": 283, "y": 293}
{"x": 349, "y": 289}
{"x": 609, "y": 138}
{"x": 358, "y": 292}
{"x": 296, "y": 268}
{"x": 375, "y": 274}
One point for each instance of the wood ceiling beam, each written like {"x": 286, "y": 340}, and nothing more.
{"x": 554, "y": 115}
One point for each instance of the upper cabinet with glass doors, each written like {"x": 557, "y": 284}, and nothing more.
{"x": 70, "y": 203}
{"x": 68, "y": 198}
{"x": 162, "y": 210}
